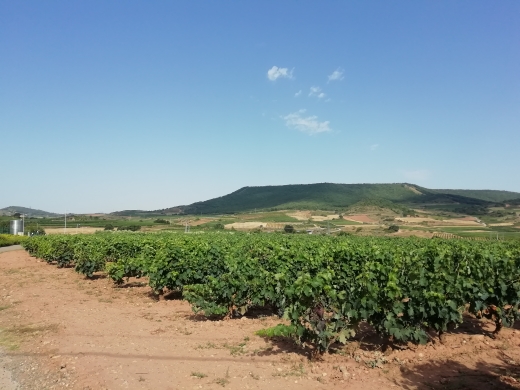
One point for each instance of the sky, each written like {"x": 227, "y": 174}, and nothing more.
{"x": 111, "y": 105}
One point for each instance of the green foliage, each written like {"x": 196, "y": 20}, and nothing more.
{"x": 325, "y": 286}
{"x": 133, "y": 228}
{"x": 109, "y": 226}
{"x": 288, "y": 229}
{"x": 393, "y": 228}
{"x": 279, "y": 330}
{"x": 9, "y": 239}
{"x": 161, "y": 221}
{"x": 34, "y": 230}
{"x": 219, "y": 226}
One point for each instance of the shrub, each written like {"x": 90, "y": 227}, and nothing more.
{"x": 162, "y": 221}
{"x": 288, "y": 229}
{"x": 109, "y": 226}
{"x": 133, "y": 228}
{"x": 393, "y": 229}
{"x": 34, "y": 230}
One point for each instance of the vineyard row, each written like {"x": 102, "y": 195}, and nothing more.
{"x": 325, "y": 286}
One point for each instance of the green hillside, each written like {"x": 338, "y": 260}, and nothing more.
{"x": 300, "y": 196}
{"x": 487, "y": 195}
{"x": 329, "y": 196}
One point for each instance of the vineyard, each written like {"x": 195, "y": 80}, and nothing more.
{"x": 325, "y": 286}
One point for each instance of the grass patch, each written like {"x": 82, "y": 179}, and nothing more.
{"x": 10, "y": 337}
{"x": 279, "y": 330}
{"x": 238, "y": 349}
{"x": 31, "y": 330}
{"x": 208, "y": 345}
{"x": 223, "y": 381}
{"x": 7, "y": 341}
{"x": 198, "y": 374}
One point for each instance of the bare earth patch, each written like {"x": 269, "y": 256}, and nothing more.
{"x": 246, "y": 225}
{"x": 413, "y": 233}
{"x": 59, "y": 330}
{"x": 445, "y": 222}
{"x": 359, "y": 218}
{"x": 301, "y": 215}
{"x": 73, "y": 230}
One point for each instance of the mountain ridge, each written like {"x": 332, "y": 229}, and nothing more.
{"x": 330, "y": 196}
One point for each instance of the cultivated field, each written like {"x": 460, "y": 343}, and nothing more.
{"x": 60, "y": 330}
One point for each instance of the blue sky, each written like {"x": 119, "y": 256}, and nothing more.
{"x": 109, "y": 105}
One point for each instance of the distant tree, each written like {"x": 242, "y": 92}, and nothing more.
{"x": 219, "y": 226}
{"x": 162, "y": 221}
{"x": 393, "y": 228}
{"x": 288, "y": 229}
{"x": 17, "y": 215}
{"x": 133, "y": 228}
{"x": 109, "y": 226}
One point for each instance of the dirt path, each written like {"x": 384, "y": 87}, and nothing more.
{"x": 61, "y": 331}
{"x": 11, "y": 248}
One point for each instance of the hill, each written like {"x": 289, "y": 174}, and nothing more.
{"x": 8, "y": 211}
{"x": 329, "y": 196}
{"x": 488, "y": 195}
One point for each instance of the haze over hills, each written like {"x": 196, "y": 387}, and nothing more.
{"x": 330, "y": 196}
{"x": 10, "y": 210}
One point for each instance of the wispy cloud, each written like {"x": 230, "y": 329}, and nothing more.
{"x": 419, "y": 174}
{"x": 374, "y": 147}
{"x": 316, "y": 91}
{"x": 337, "y": 75}
{"x": 298, "y": 93}
{"x": 276, "y": 72}
{"x": 310, "y": 124}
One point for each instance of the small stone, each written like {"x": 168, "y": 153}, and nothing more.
{"x": 279, "y": 369}
{"x": 478, "y": 337}
{"x": 421, "y": 355}
{"x": 324, "y": 374}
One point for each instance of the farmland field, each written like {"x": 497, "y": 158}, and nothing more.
{"x": 349, "y": 296}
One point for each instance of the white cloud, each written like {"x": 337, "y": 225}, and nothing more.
{"x": 309, "y": 125}
{"x": 276, "y": 72}
{"x": 336, "y": 75}
{"x": 316, "y": 91}
{"x": 419, "y": 174}
{"x": 374, "y": 146}
{"x": 298, "y": 93}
